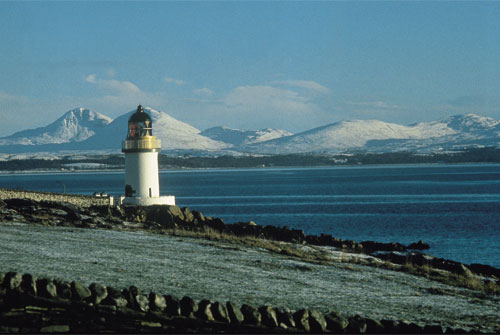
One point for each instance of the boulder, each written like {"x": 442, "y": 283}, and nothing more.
{"x": 79, "y": 291}
{"x": 285, "y": 317}
{"x": 12, "y": 280}
{"x": 188, "y": 306}
{"x": 157, "y": 302}
{"x": 204, "y": 310}
{"x": 188, "y": 215}
{"x": 317, "y": 321}
{"x": 114, "y": 298}
{"x": 198, "y": 216}
{"x": 141, "y": 303}
{"x": 22, "y": 204}
{"x": 173, "y": 306}
{"x": 28, "y": 284}
{"x": 410, "y": 328}
{"x": 46, "y": 288}
{"x": 419, "y": 246}
{"x": 99, "y": 293}
{"x": 63, "y": 289}
{"x": 390, "y": 326}
{"x": 130, "y": 294}
{"x": 251, "y": 315}
{"x": 234, "y": 313}
{"x": 219, "y": 312}
{"x": 301, "y": 318}
{"x": 215, "y": 223}
{"x": 336, "y": 323}
{"x": 268, "y": 315}
{"x": 433, "y": 329}
{"x": 164, "y": 215}
{"x": 357, "y": 325}
{"x": 374, "y": 327}
{"x": 485, "y": 270}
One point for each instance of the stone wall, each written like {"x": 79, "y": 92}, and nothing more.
{"x": 43, "y": 305}
{"x": 75, "y": 199}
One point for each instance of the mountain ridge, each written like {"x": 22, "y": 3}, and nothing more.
{"x": 83, "y": 130}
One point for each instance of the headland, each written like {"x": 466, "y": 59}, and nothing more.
{"x": 465, "y": 297}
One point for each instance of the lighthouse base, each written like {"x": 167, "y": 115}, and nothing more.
{"x": 148, "y": 201}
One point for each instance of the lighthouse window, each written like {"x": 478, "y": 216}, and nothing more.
{"x": 132, "y": 129}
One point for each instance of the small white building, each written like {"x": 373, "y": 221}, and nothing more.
{"x": 142, "y": 186}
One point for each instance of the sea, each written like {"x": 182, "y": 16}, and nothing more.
{"x": 453, "y": 208}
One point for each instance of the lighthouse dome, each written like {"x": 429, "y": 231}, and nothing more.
{"x": 140, "y": 115}
{"x": 140, "y": 124}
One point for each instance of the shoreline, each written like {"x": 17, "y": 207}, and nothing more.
{"x": 285, "y": 167}
{"x": 390, "y": 263}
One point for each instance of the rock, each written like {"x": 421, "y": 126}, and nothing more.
{"x": 198, "y": 216}
{"x": 234, "y": 313}
{"x": 164, "y": 215}
{"x": 142, "y": 303}
{"x": 215, "y": 223}
{"x": 188, "y": 306}
{"x": 357, "y": 325}
{"x": 285, "y": 317}
{"x": 390, "y": 326}
{"x": 157, "y": 302}
{"x": 99, "y": 293}
{"x": 79, "y": 291}
{"x": 188, "y": 215}
{"x": 419, "y": 246}
{"x": 114, "y": 298}
{"x": 12, "y": 280}
{"x": 63, "y": 289}
{"x": 130, "y": 295}
{"x": 28, "y": 284}
{"x": 204, "y": 311}
{"x": 433, "y": 329}
{"x": 219, "y": 312}
{"x": 374, "y": 327}
{"x": 465, "y": 271}
{"x": 46, "y": 288}
{"x": 54, "y": 329}
{"x": 336, "y": 323}
{"x": 301, "y": 318}
{"x": 22, "y": 204}
{"x": 317, "y": 321}
{"x": 485, "y": 270}
{"x": 409, "y": 327}
{"x": 250, "y": 315}
{"x": 268, "y": 315}
{"x": 173, "y": 307}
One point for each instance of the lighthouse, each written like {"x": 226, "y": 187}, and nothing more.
{"x": 142, "y": 186}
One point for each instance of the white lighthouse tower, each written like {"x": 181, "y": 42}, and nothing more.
{"x": 141, "y": 163}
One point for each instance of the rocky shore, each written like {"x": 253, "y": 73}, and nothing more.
{"x": 25, "y": 300}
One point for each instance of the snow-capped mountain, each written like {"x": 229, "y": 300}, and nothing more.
{"x": 174, "y": 134}
{"x": 83, "y": 130}
{"x": 454, "y": 132}
{"x": 74, "y": 126}
{"x": 238, "y": 137}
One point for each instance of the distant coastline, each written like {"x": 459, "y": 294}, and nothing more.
{"x": 115, "y": 162}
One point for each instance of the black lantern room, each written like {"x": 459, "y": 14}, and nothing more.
{"x": 139, "y": 124}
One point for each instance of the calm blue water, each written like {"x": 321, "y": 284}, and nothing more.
{"x": 454, "y": 208}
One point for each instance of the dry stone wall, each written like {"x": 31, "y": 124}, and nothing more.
{"x": 42, "y": 305}
{"x": 74, "y": 199}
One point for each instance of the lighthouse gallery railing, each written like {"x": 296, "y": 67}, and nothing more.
{"x": 138, "y": 144}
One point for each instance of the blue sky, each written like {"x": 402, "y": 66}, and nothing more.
{"x": 288, "y": 65}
